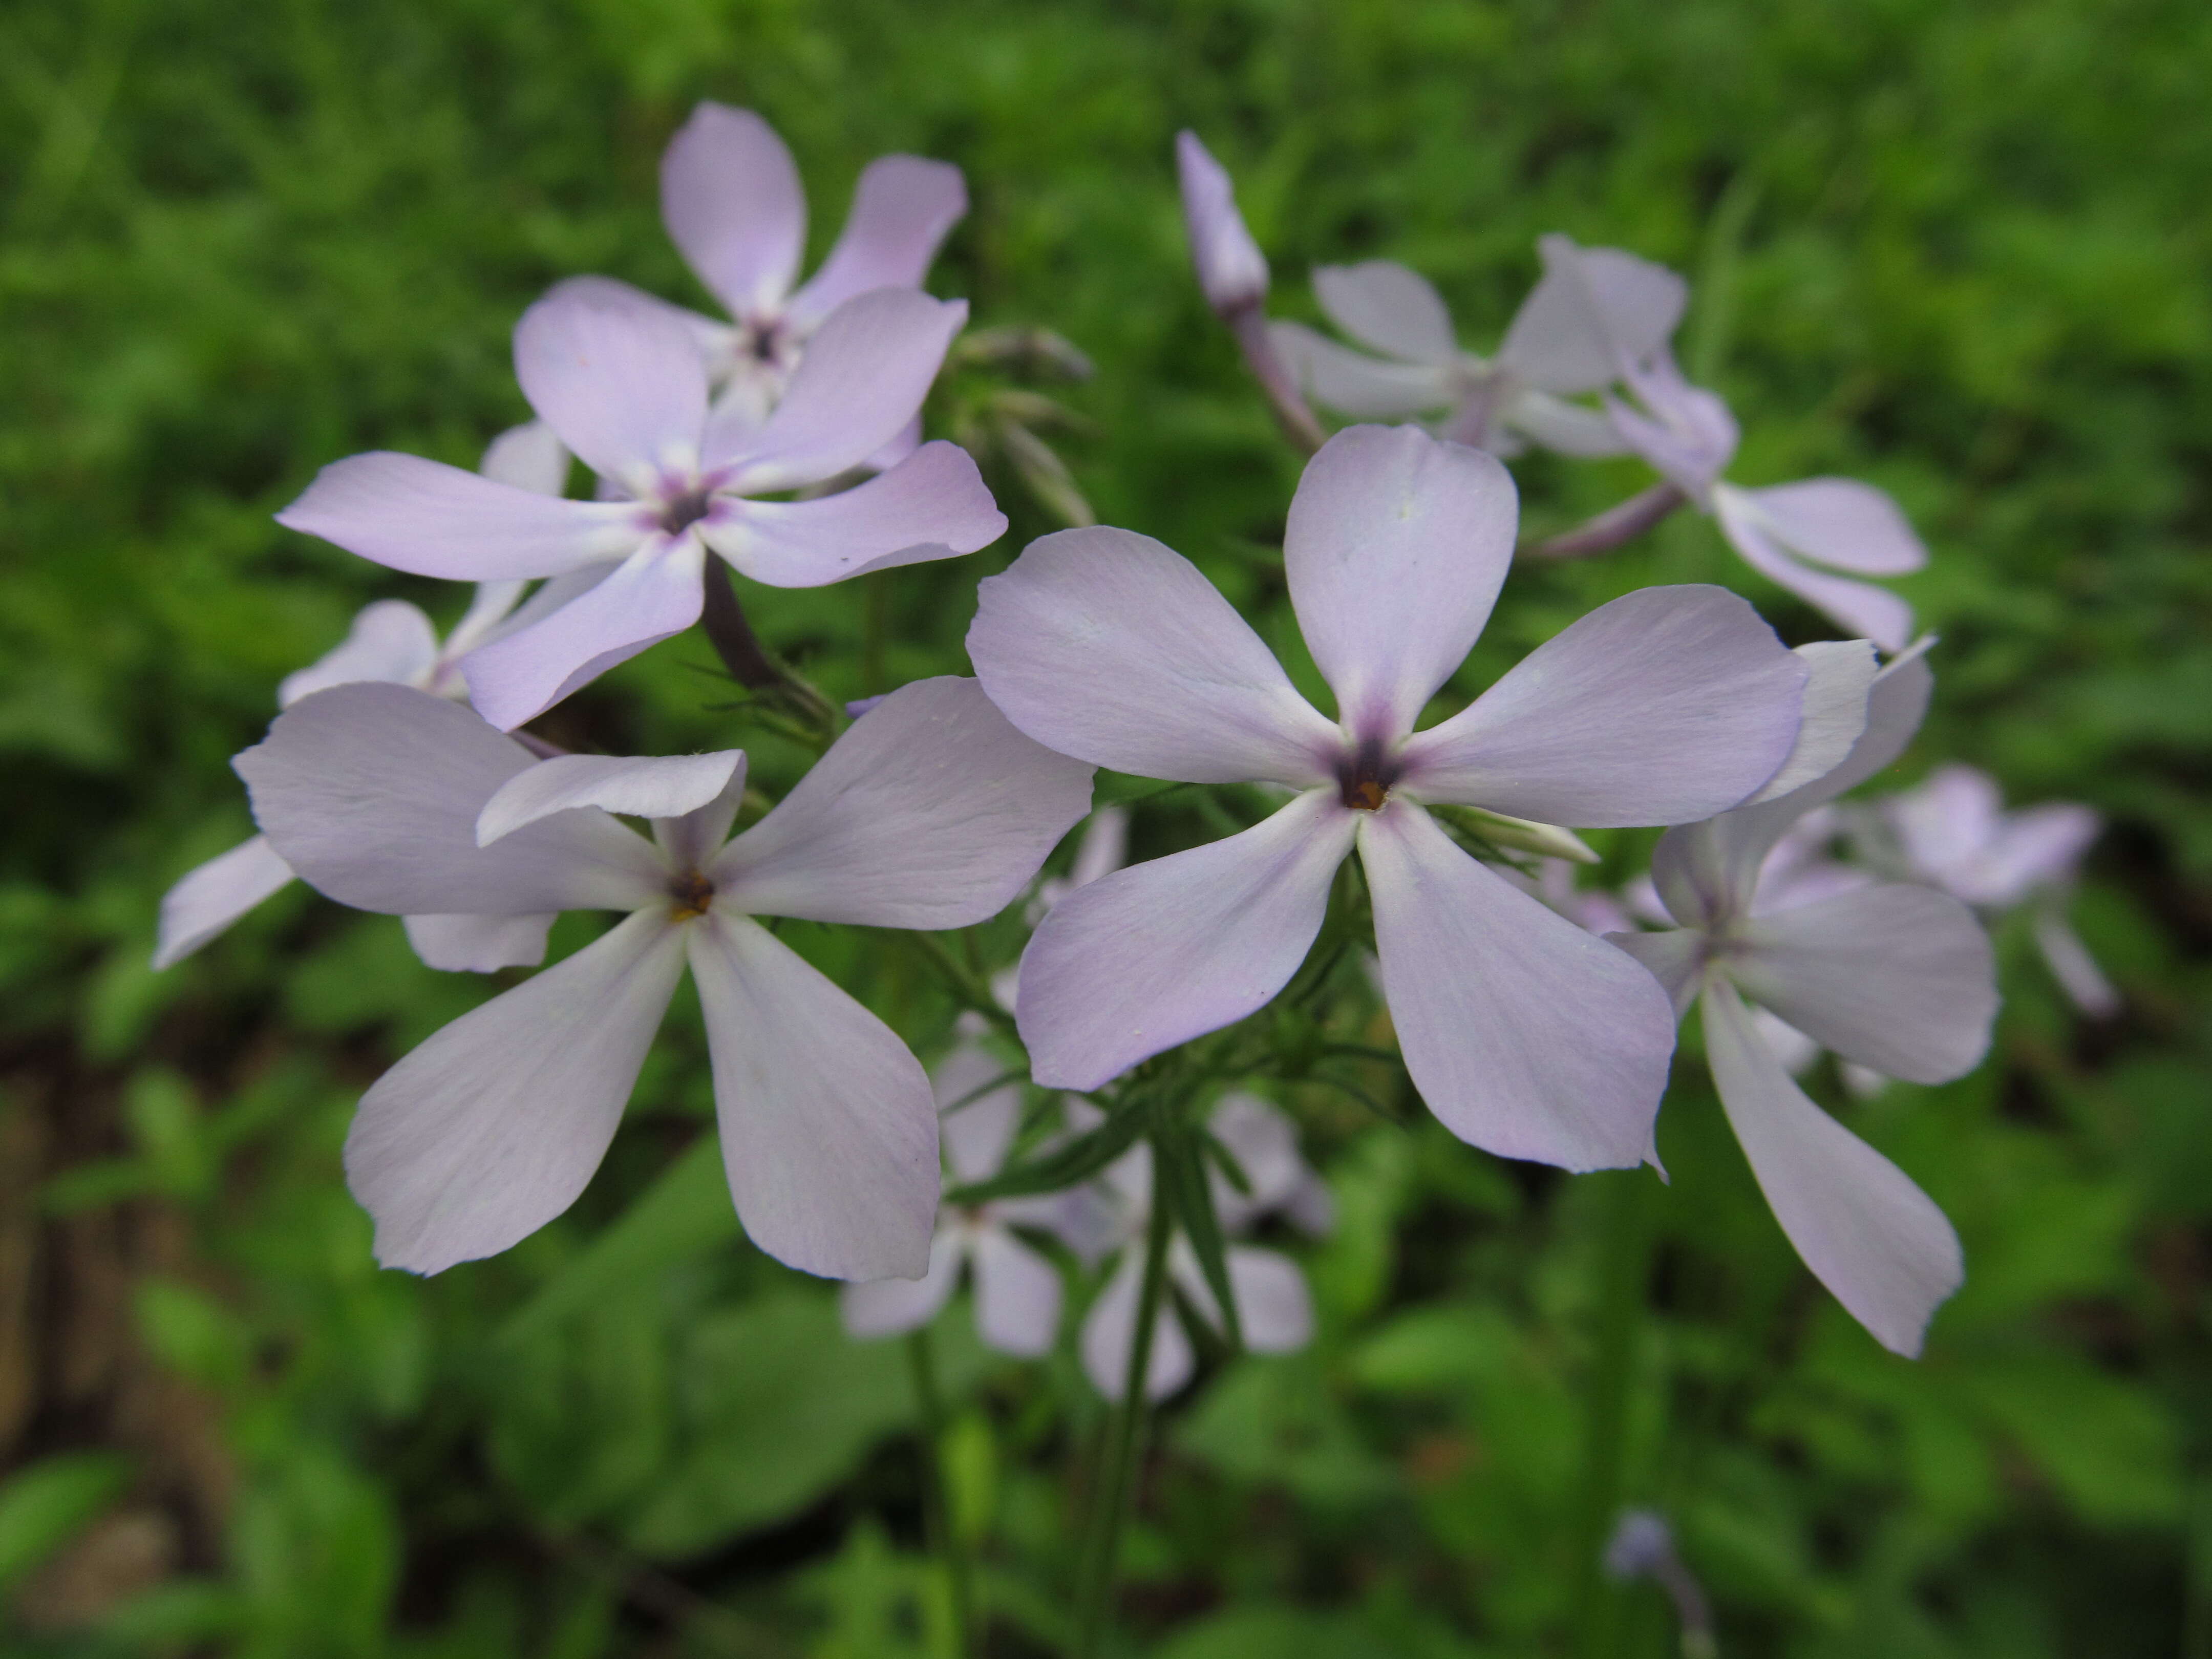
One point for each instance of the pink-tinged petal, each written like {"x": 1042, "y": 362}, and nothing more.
{"x": 1105, "y": 644}
{"x": 902, "y": 444}
{"x": 933, "y": 504}
{"x": 624, "y": 386}
{"x": 902, "y": 209}
{"x": 490, "y": 607}
{"x": 1876, "y": 1241}
{"x": 1395, "y": 551}
{"x": 1687, "y": 434}
{"x": 1946, "y": 823}
{"x": 1676, "y": 958}
{"x": 653, "y": 595}
{"x": 642, "y": 786}
{"x": 431, "y": 519}
{"x": 1526, "y": 1035}
{"x": 1594, "y": 309}
{"x": 716, "y": 341}
{"x": 1231, "y": 269}
{"x": 494, "y": 1126}
{"x": 1017, "y": 1295}
{"x": 932, "y": 812}
{"x": 544, "y": 599}
{"x": 530, "y": 456}
{"x": 1387, "y": 308}
{"x": 390, "y": 640}
{"x": 1791, "y": 1048}
{"x": 1839, "y": 677}
{"x": 892, "y": 1307}
{"x": 206, "y": 900}
{"x": 1872, "y": 613}
{"x": 1162, "y": 953}
{"x": 1563, "y": 427}
{"x": 865, "y": 373}
{"x": 1667, "y": 705}
{"x": 2073, "y": 967}
{"x": 1897, "y": 977}
{"x": 690, "y": 840}
{"x": 978, "y": 1121}
{"x": 371, "y": 793}
{"x": 1109, "y": 1332}
{"x": 1838, "y": 522}
{"x": 479, "y": 944}
{"x": 1274, "y": 1306}
{"x": 1352, "y": 383}
{"x": 732, "y": 203}
{"x": 828, "y": 1134}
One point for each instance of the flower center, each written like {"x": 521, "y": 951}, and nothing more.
{"x": 1365, "y": 777}
{"x": 693, "y": 894}
{"x": 686, "y": 510}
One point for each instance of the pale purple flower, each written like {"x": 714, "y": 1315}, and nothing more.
{"x": 1017, "y": 1292}
{"x": 1591, "y": 306}
{"x": 624, "y": 386}
{"x": 1274, "y": 1309}
{"x": 1798, "y": 535}
{"x": 731, "y": 200}
{"x": 1526, "y": 1035}
{"x": 1894, "y": 977}
{"x": 1954, "y": 831}
{"x": 1231, "y": 269}
{"x": 932, "y": 812}
{"x": 392, "y": 641}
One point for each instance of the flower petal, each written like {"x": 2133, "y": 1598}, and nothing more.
{"x": 1675, "y": 958}
{"x": 1105, "y": 644}
{"x": 1274, "y": 1306}
{"x": 431, "y": 519}
{"x": 1017, "y": 1295}
{"x": 479, "y": 944}
{"x": 494, "y": 1125}
{"x": 731, "y": 200}
{"x": 206, "y": 899}
{"x": 645, "y": 786}
{"x": 1387, "y": 308}
{"x": 1527, "y": 1037}
{"x": 2072, "y": 966}
{"x": 1109, "y": 1332}
{"x": 716, "y": 341}
{"x": 933, "y": 504}
{"x": 1840, "y": 522}
{"x": 828, "y": 1134}
{"x": 1667, "y": 705}
{"x": 1395, "y": 551}
{"x": 371, "y": 793}
{"x": 1592, "y": 308}
{"x": 932, "y": 812}
{"x": 865, "y": 373}
{"x": 1875, "y": 1240}
{"x": 1158, "y": 953}
{"x": 1265, "y": 1144}
{"x": 622, "y": 386}
{"x": 892, "y": 1307}
{"x": 1352, "y": 383}
{"x": 530, "y": 456}
{"x": 1897, "y": 977}
{"x": 390, "y": 640}
{"x": 653, "y": 595}
{"x": 1231, "y": 270}
{"x": 976, "y": 1128}
{"x": 902, "y": 209}
{"x": 1875, "y": 613}
{"x": 1839, "y": 677}
{"x": 490, "y": 607}
{"x": 1563, "y": 427}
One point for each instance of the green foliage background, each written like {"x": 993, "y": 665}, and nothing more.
{"x": 1961, "y": 251}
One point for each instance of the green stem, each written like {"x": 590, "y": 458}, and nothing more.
{"x": 1117, "y": 1466}
{"x": 945, "y": 1542}
{"x": 1624, "y": 1265}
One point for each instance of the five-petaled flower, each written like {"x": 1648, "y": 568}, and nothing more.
{"x": 1895, "y": 976}
{"x": 1591, "y": 305}
{"x": 731, "y": 200}
{"x": 625, "y": 387}
{"x": 932, "y": 812}
{"x": 1526, "y": 1035}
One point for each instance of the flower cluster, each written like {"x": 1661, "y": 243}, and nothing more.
{"x": 1380, "y": 797}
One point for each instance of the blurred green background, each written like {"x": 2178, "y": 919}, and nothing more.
{"x": 1961, "y": 251}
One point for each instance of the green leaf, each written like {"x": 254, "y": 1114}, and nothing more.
{"x": 1065, "y": 1165}
{"x": 43, "y": 1505}
{"x": 1179, "y": 1182}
